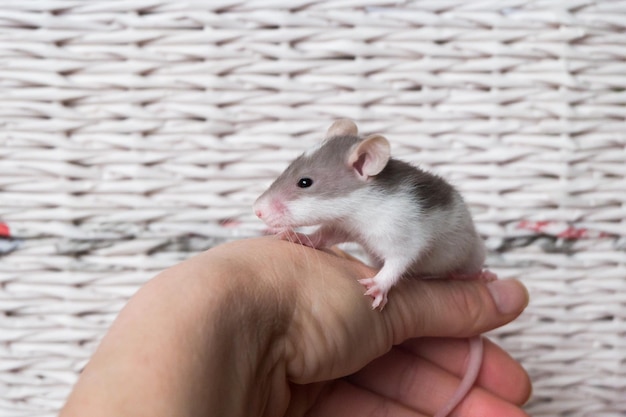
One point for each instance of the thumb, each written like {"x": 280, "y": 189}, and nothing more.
{"x": 447, "y": 308}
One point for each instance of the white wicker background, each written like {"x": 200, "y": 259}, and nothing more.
{"x": 136, "y": 133}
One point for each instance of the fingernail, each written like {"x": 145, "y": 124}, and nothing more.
{"x": 509, "y": 295}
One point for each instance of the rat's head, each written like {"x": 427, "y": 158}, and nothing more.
{"x": 317, "y": 187}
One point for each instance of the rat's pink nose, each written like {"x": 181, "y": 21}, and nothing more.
{"x": 271, "y": 211}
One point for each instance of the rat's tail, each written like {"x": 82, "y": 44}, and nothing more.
{"x": 471, "y": 373}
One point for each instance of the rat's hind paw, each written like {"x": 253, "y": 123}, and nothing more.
{"x": 487, "y": 276}
{"x": 376, "y": 292}
{"x": 483, "y": 275}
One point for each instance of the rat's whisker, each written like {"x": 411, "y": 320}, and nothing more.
{"x": 303, "y": 236}
{"x": 288, "y": 231}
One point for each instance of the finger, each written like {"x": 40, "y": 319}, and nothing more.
{"x": 500, "y": 374}
{"x": 448, "y": 308}
{"x": 420, "y": 385}
{"x": 345, "y": 400}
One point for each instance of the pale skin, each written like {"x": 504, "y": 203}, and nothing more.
{"x": 263, "y": 327}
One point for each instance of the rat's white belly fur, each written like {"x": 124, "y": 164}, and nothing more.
{"x": 428, "y": 242}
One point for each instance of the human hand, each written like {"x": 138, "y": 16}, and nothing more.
{"x": 263, "y": 327}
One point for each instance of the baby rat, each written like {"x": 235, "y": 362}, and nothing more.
{"x": 410, "y": 222}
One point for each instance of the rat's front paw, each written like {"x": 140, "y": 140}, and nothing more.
{"x": 375, "y": 291}
{"x": 295, "y": 237}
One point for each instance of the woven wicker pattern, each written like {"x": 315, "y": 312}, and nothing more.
{"x": 136, "y": 133}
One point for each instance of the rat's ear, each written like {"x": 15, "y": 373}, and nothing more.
{"x": 342, "y": 127}
{"x": 370, "y": 156}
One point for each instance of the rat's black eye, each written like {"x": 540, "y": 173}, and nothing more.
{"x": 305, "y": 182}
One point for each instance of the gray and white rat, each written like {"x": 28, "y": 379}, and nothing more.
{"x": 410, "y": 222}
